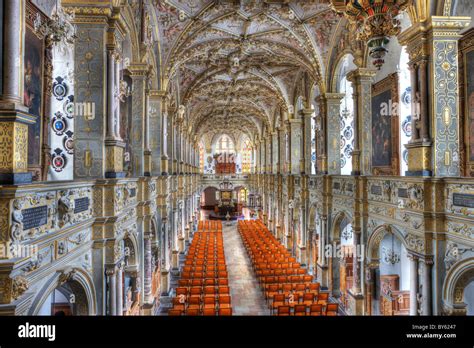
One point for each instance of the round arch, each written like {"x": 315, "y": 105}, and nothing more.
{"x": 335, "y": 227}
{"x": 81, "y": 284}
{"x": 373, "y": 243}
{"x": 457, "y": 278}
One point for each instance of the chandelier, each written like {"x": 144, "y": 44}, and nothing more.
{"x": 58, "y": 28}
{"x": 389, "y": 255}
{"x": 375, "y": 21}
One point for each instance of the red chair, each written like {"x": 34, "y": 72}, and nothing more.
{"x": 283, "y": 311}
{"x": 224, "y": 301}
{"x": 225, "y": 311}
{"x": 332, "y": 309}
{"x": 316, "y": 310}
{"x": 300, "y": 310}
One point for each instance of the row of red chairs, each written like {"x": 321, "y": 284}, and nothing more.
{"x": 308, "y": 310}
{"x": 295, "y": 292}
{"x": 198, "y": 312}
{"x": 203, "y": 287}
{"x": 207, "y": 225}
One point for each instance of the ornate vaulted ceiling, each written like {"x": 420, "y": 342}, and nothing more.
{"x": 235, "y": 64}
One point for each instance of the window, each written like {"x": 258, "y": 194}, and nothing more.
{"x": 246, "y": 157}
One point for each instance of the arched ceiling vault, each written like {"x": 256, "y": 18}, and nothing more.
{"x": 234, "y": 64}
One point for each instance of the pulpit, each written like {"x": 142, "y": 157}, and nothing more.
{"x": 393, "y": 301}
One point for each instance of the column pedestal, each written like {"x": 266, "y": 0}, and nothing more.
{"x": 114, "y": 159}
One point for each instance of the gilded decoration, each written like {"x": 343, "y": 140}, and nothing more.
{"x": 13, "y": 147}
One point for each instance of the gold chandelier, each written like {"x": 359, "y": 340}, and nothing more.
{"x": 57, "y": 29}
{"x": 375, "y": 21}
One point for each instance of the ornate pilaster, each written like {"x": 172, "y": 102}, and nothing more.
{"x": 329, "y": 134}
{"x": 90, "y": 85}
{"x": 444, "y": 35}
{"x": 433, "y": 49}
{"x": 361, "y": 79}
{"x": 306, "y": 115}
{"x": 295, "y": 145}
{"x": 275, "y": 153}
{"x": 139, "y": 74}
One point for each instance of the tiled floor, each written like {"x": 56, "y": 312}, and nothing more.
{"x": 247, "y": 297}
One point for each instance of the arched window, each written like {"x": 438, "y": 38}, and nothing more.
{"x": 404, "y": 109}
{"x": 346, "y": 115}
{"x": 246, "y": 156}
{"x": 225, "y": 145}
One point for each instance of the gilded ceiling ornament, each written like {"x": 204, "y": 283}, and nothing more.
{"x": 375, "y": 22}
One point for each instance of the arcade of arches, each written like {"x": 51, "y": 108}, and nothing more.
{"x": 126, "y": 124}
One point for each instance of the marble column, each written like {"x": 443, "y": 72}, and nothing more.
{"x": 111, "y": 280}
{"x": 356, "y": 286}
{"x": 148, "y": 268}
{"x": 426, "y": 290}
{"x": 413, "y": 284}
{"x": 114, "y": 145}
{"x": 119, "y": 295}
{"x": 323, "y": 276}
{"x": 147, "y": 159}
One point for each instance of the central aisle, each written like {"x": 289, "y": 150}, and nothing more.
{"x": 247, "y": 299}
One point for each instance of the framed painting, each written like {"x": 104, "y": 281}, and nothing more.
{"x": 33, "y": 88}
{"x": 385, "y": 127}
{"x": 467, "y": 103}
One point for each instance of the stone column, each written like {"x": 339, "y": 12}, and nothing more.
{"x": 323, "y": 276}
{"x": 119, "y": 289}
{"x": 148, "y": 164}
{"x": 281, "y": 149}
{"x": 295, "y": 145}
{"x": 307, "y": 115}
{"x": 329, "y": 110}
{"x": 361, "y": 79}
{"x": 11, "y": 97}
{"x": 413, "y": 284}
{"x": 356, "y": 286}
{"x": 268, "y": 153}
{"x": 426, "y": 290}
{"x": 113, "y": 143}
{"x": 275, "y": 153}
{"x": 111, "y": 280}
{"x": 147, "y": 268}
